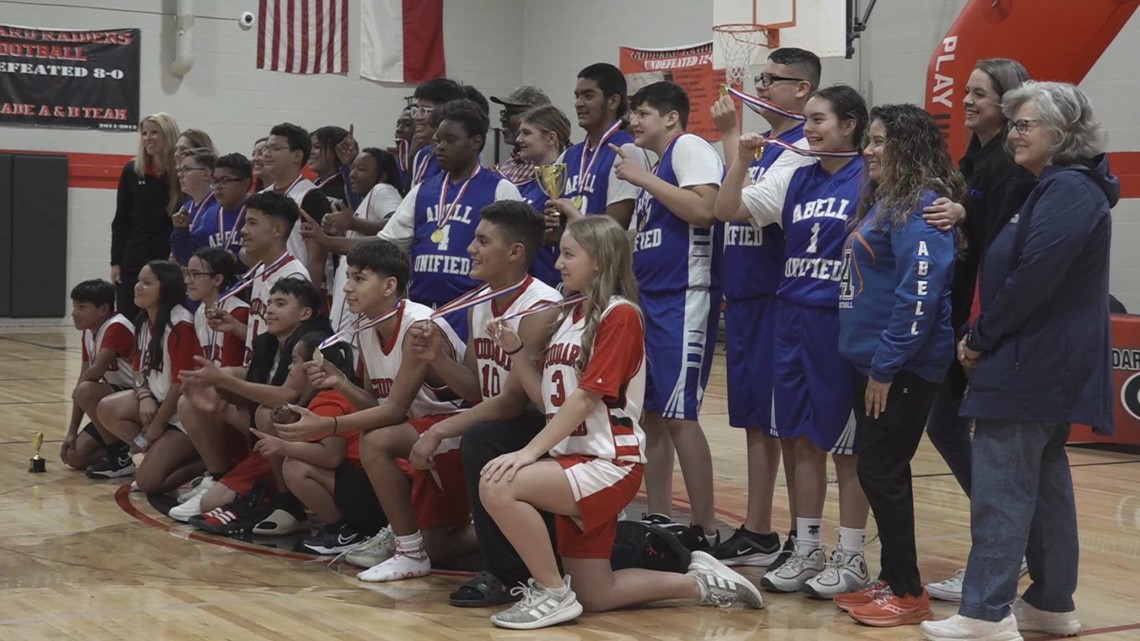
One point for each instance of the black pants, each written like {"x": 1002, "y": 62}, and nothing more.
{"x": 886, "y": 445}
{"x": 125, "y": 292}
{"x": 482, "y": 443}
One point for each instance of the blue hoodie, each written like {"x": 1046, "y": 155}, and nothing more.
{"x": 1043, "y": 287}
{"x": 894, "y": 297}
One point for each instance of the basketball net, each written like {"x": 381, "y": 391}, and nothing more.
{"x": 738, "y": 43}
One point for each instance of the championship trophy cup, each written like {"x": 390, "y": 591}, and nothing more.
{"x": 38, "y": 465}
{"x": 552, "y": 180}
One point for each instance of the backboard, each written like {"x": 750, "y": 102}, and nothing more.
{"x": 819, "y": 26}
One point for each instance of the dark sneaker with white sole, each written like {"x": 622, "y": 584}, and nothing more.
{"x": 747, "y": 548}
{"x": 114, "y": 464}
{"x": 334, "y": 539}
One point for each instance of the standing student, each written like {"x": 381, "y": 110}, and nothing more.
{"x": 324, "y": 161}
{"x": 438, "y": 217}
{"x": 146, "y": 415}
{"x": 401, "y": 399}
{"x": 191, "y": 139}
{"x": 673, "y": 262}
{"x": 894, "y": 326}
{"x": 428, "y": 97}
{"x": 813, "y": 384}
{"x": 191, "y": 228}
{"x": 544, "y": 134}
{"x": 148, "y": 193}
{"x": 108, "y": 348}
{"x": 601, "y": 104}
{"x": 516, "y": 168}
{"x": 209, "y": 273}
{"x": 257, "y": 160}
{"x": 406, "y": 145}
{"x": 989, "y": 169}
{"x": 286, "y": 152}
{"x": 752, "y": 265}
{"x": 231, "y": 182}
{"x": 590, "y": 383}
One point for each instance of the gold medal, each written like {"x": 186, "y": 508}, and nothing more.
{"x": 319, "y": 357}
{"x": 140, "y": 378}
{"x": 437, "y": 236}
{"x": 579, "y": 202}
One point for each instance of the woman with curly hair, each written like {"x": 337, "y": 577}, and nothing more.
{"x": 894, "y": 326}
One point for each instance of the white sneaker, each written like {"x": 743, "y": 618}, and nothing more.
{"x": 795, "y": 572}
{"x": 722, "y": 586}
{"x": 960, "y": 628}
{"x": 538, "y": 607}
{"x": 190, "y": 488}
{"x": 192, "y": 506}
{"x": 845, "y": 572}
{"x": 948, "y": 590}
{"x": 399, "y": 566}
{"x": 1058, "y": 624}
{"x": 374, "y": 551}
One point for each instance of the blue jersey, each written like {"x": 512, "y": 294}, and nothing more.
{"x": 754, "y": 258}
{"x": 184, "y": 241}
{"x": 440, "y": 264}
{"x": 815, "y": 213}
{"x": 595, "y": 185}
{"x": 543, "y": 266}
{"x": 424, "y": 166}
{"x": 669, "y": 254}
{"x": 894, "y": 300}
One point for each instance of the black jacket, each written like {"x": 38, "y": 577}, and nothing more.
{"x": 140, "y": 231}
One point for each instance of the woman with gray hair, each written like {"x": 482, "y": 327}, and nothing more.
{"x": 1039, "y": 356}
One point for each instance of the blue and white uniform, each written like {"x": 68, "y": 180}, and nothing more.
{"x": 440, "y": 264}
{"x": 752, "y": 264}
{"x": 424, "y": 165}
{"x": 599, "y": 185}
{"x": 542, "y": 267}
{"x": 673, "y": 264}
{"x": 814, "y": 384}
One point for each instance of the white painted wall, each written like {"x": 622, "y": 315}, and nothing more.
{"x": 495, "y": 45}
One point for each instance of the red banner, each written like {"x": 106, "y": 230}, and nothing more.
{"x": 690, "y": 67}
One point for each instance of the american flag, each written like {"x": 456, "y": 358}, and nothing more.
{"x": 303, "y": 36}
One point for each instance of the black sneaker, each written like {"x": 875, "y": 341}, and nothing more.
{"x": 657, "y": 519}
{"x": 651, "y": 547}
{"x": 238, "y": 516}
{"x": 114, "y": 464}
{"x": 333, "y": 539}
{"x": 785, "y": 552}
{"x": 747, "y": 548}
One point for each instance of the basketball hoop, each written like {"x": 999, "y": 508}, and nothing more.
{"x": 738, "y": 42}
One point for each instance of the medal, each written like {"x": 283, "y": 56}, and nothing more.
{"x": 585, "y": 167}
{"x": 319, "y": 357}
{"x": 140, "y": 378}
{"x": 437, "y": 236}
{"x": 446, "y": 210}
{"x": 579, "y": 202}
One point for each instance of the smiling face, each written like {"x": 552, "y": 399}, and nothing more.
{"x": 367, "y": 292}
{"x": 651, "y": 129}
{"x": 363, "y": 175}
{"x": 577, "y": 267}
{"x": 405, "y": 126}
{"x": 257, "y": 159}
{"x": 823, "y": 129}
{"x": 782, "y": 88}
{"x": 420, "y": 111}
{"x": 591, "y": 106}
{"x": 874, "y": 152}
{"x": 284, "y": 313}
{"x": 534, "y": 145}
{"x": 491, "y": 252}
{"x": 320, "y": 159}
{"x": 261, "y": 233}
{"x": 153, "y": 142}
{"x": 147, "y": 290}
{"x": 982, "y": 104}
{"x": 278, "y": 160}
{"x": 201, "y": 283}
{"x": 1031, "y": 141}
{"x": 88, "y": 315}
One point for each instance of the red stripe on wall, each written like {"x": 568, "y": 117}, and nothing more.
{"x": 1126, "y": 166}
{"x": 423, "y": 40}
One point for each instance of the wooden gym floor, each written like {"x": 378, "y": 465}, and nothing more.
{"x": 81, "y": 559}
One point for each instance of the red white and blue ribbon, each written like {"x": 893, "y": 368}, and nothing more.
{"x": 259, "y": 270}
{"x": 480, "y": 294}
{"x": 776, "y": 142}
{"x": 760, "y": 105}
{"x": 445, "y": 210}
{"x": 361, "y": 323}
{"x": 585, "y": 168}
{"x": 571, "y": 300}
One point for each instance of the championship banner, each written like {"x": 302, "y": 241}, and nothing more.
{"x": 70, "y": 79}
{"x": 1126, "y": 385}
{"x": 690, "y": 67}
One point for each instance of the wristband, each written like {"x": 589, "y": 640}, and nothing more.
{"x": 519, "y": 349}
{"x": 334, "y": 425}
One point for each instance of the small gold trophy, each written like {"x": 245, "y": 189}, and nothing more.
{"x": 38, "y": 465}
{"x": 552, "y": 180}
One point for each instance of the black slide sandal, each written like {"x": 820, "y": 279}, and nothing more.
{"x": 483, "y": 591}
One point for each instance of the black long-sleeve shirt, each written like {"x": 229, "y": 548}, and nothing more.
{"x": 140, "y": 231}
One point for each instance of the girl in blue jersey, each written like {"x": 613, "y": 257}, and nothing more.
{"x": 544, "y": 134}
{"x": 813, "y": 383}
{"x": 894, "y": 320}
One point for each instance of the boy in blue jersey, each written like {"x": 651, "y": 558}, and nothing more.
{"x": 428, "y": 97}
{"x": 592, "y": 187}
{"x": 813, "y": 382}
{"x": 438, "y": 217}
{"x": 751, "y": 268}
{"x": 674, "y": 220}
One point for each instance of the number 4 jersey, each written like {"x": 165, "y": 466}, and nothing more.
{"x": 813, "y": 207}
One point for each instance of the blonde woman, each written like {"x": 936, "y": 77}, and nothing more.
{"x": 544, "y": 134}
{"x": 148, "y": 194}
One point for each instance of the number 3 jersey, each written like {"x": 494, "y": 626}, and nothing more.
{"x": 491, "y": 361}
{"x": 813, "y": 208}
{"x": 616, "y": 370}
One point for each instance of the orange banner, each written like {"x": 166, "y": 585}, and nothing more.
{"x": 690, "y": 67}
{"x": 1126, "y": 383}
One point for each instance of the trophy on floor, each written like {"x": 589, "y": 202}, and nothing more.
{"x": 38, "y": 465}
{"x": 552, "y": 180}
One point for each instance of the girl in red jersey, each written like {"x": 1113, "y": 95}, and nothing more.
{"x": 145, "y": 415}
{"x": 591, "y": 383}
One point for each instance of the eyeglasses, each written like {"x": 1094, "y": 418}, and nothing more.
{"x": 272, "y": 149}
{"x": 766, "y": 79}
{"x": 420, "y": 111}
{"x": 191, "y": 274}
{"x": 224, "y": 181}
{"x": 185, "y": 170}
{"x": 1022, "y": 126}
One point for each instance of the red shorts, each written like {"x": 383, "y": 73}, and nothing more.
{"x": 440, "y": 507}
{"x": 602, "y": 489}
{"x": 241, "y": 478}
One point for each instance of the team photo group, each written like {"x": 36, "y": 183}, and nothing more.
{"x": 414, "y": 359}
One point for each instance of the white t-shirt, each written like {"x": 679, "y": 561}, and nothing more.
{"x": 764, "y": 200}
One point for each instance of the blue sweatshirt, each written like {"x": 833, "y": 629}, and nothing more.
{"x": 214, "y": 227}
{"x": 894, "y": 298}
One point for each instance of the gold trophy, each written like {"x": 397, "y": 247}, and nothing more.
{"x": 552, "y": 180}
{"x": 38, "y": 465}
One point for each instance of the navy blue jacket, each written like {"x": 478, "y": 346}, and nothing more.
{"x": 1044, "y": 327}
{"x": 894, "y": 297}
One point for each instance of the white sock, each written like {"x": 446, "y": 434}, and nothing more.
{"x": 808, "y": 535}
{"x": 411, "y": 545}
{"x": 850, "y": 539}
{"x": 410, "y": 561}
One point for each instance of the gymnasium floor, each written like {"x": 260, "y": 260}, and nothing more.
{"x": 81, "y": 559}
